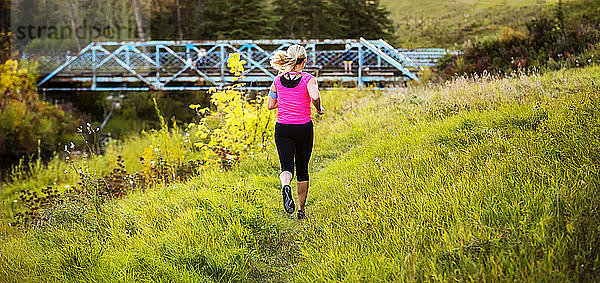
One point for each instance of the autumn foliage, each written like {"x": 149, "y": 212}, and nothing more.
{"x": 28, "y": 124}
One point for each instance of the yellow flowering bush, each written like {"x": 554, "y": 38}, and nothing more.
{"x": 17, "y": 79}
{"x": 235, "y": 126}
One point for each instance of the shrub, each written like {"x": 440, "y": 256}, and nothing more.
{"x": 508, "y": 36}
{"x": 26, "y": 122}
{"x": 237, "y": 124}
{"x": 547, "y": 44}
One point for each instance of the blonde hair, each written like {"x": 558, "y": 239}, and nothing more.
{"x": 285, "y": 61}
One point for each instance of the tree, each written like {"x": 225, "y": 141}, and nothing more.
{"x": 332, "y": 19}
{"x": 307, "y": 18}
{"x": 286, "y": 19}
{"x": 161, "y": 23}
{"x": 364, "y": 18}
{"x": 4, "y": 15}
{"x": 209, "y": 19}
{"x": 139, "y": 20}
{"x": 72, "y": 8}
{"x": 247, "y": 20}
{"x": 4, "y": 46}
{"x": 231, "y": 19}
{"x": 4, "y": 30}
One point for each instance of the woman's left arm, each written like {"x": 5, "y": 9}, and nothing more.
{"x": 272, "y": 101}
{"x": 313, "y": 91}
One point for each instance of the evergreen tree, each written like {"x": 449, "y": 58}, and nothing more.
{"x": 286, "y": 20}
{"x": 365, "y": 18}
{"x": 173, "y": 20}
{"x": 209, "y": 19}
{"x": 231, "y": 19}
{"x": 186, "y": 17}
{"x": 161, "y": 27}
{"x": 251, "y": 19}
{"x": 321, "y": 19}
{"x": 247, "y": 19}
{"x": 306, "y": 18}
{"x": 332, "y": 19}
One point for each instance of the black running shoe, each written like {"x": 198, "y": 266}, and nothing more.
{"x": 288, "y": 202}
{"x": 301, "y": 215}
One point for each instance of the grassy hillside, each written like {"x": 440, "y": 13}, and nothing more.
{"x": 443, "y": 23}
{"x": 488, "y": 180}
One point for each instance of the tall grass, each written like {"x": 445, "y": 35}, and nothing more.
{"x": 479, "y": 179}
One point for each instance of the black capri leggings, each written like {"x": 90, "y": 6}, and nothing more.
{"x": 294, "y": 140}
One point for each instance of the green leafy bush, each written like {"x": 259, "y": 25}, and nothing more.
{"x": 549, "y": 44}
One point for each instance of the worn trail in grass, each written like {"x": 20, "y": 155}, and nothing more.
{"x": 495, "y": 179}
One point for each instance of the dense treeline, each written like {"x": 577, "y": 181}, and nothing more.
{"x": 570, "y": 38}
{"x": 257, "y": 19}
{"x": 193, "y": 20}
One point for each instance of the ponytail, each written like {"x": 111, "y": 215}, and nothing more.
{"x": 285, "y": 61}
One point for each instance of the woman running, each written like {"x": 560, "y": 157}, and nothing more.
{"x": 291, "y": 93}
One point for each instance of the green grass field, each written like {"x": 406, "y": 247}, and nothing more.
{"x": 493, "y": 179}
{"x": 435, "y": 23}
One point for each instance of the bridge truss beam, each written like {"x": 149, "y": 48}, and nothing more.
{"x": 197, "y": 65}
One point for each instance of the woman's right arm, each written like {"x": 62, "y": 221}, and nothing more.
{"x": 272, "y": 102}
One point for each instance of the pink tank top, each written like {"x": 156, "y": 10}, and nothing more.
{"x": 293, "y": 104}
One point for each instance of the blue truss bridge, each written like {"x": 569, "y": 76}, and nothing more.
{"x": 198, "y": 65}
